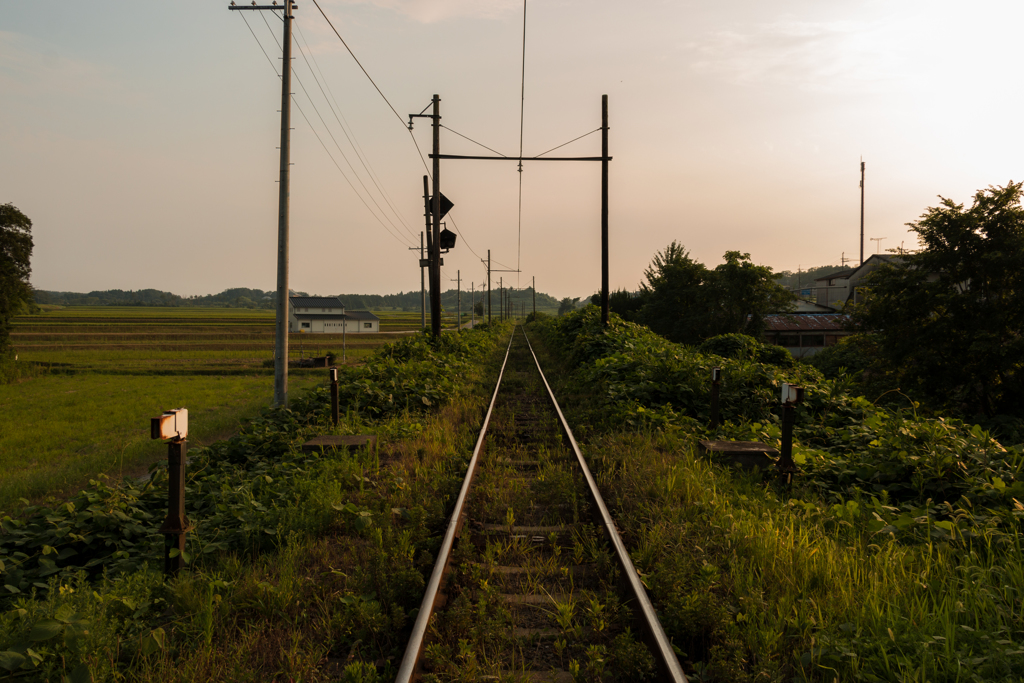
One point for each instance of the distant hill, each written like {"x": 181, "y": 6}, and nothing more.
{"x": 242, "y": 297}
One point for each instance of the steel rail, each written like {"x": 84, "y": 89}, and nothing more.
{"x": 669, "y": 663}
{"x": 414, "y": 648}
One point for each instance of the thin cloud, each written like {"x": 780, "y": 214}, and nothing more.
{"x": 30, "y": 65}
{"x": 430, "y": 11}
{"x": 817, "y": 56}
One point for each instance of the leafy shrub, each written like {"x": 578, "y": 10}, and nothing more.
{"x": 926, "y": 475}
{"x": 745, "y": 347}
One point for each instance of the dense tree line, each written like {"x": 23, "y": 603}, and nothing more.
{"x": 242, "y": 297}
{"x": 687, "y": 302}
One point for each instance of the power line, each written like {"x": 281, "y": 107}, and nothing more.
{"x": 317, "y": 135}
{"x": 357, "y": 61}
{"x": 570, "y": 142}
{"x": 336, "y": 110}
{"x": 343, "y": 155}
{"x": 419, "y": 152}
{"x": 475, "y": 142}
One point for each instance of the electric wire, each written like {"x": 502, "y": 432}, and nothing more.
{"x": 339, "y": 116}
{"x": 342, "y": 152}
{"x": 568, "y": 143}
{"x": 419, "y": 152}
{"x": 474, "y": 141}
{"x": 357, "y": 61}
{"x": 317, "y": 135}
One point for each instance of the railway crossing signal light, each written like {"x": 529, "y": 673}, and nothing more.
{"x": 447, "y": 238}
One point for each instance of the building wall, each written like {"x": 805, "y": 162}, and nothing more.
{"x": 334, "y": 326}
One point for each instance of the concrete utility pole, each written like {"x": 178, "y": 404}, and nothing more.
{"x": 534, "y": 297}
{"x": 472, "y": 305}
{"x": 488, "y": 286}
{"x": 862, "y": 212}
{"x": 501, "y": 298}
{"x": 281, "y": 321}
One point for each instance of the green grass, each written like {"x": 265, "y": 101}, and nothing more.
{"x": 58, "y": 432}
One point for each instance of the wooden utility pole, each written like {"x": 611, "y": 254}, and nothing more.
{"x": 862, "y": 212}
{"x": 501, "y": 298}
{"x": 604, "y": 210}
{"x": 534, "y": 297}
{"x": 488, "y": 286}
{"x": 435, "y": 245}
{"x": 281, "y": 320}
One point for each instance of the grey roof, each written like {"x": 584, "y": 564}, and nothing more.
{"x": 360, "y": 315}
{"x": 316, "y": 302}
{"x": 347, "y": 315}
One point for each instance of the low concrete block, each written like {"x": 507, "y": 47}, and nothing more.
{"x": 747, "y": 455}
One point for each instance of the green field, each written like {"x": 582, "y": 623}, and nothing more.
{"x": 108, "y": 369}
{"x": 58, "y": 432}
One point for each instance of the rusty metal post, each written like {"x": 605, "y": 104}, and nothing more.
{"x": 334, "y": 396}
{"x": 716, "y": 385}
{"x": 604, "y": 210}
{"x": 175, "y": 524}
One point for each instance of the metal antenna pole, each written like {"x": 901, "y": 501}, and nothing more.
{"x": 435, "y": 247}
{"x": 862, "y": 213}
{"x": 604, "y": 210}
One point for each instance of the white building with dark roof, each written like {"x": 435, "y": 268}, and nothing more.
{"x": 327, "y": 315}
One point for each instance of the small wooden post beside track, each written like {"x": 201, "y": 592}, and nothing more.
{"x": 334, "y": 396}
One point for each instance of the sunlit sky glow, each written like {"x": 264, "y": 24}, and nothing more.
{"x": 141, "y": 137}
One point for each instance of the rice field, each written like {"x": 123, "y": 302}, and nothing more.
{"x": 107, "y": 370}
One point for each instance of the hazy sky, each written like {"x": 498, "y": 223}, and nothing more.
{"x": 140, "y": 137}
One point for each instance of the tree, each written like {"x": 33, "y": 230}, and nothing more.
{"x": 478, "y": 308}
{"x": 687, "y": 303}
{"x": 567, "y": 305}
{"x": 15, "y": 266}
{"x": 949, "y": 318}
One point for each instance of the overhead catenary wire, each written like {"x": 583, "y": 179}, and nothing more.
{"x": 522, "y": 118}
{"x": 569, "y": 143}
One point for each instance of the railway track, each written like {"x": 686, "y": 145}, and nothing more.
{"x": 532, "y": 581}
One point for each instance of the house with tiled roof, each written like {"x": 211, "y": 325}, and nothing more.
{"x": 327, "y": 315}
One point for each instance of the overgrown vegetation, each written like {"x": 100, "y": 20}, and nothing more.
{"x": 895, "y": 556}
{"x": 321, "y": 551}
